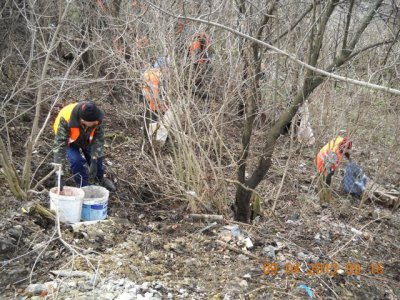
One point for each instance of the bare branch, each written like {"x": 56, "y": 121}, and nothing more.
{"x": 284, "y": 53}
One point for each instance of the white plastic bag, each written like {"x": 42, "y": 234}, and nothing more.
{"x": 158, "y": 131}
{"x": 305, "y": 133}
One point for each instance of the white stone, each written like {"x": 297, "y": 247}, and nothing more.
{"x": 243, "y": 284}
{"x": 121, "y": 282}
{"x": 249, "y": 243}
{"x": 125, "y": 296}
{"x": 145, "y": 285}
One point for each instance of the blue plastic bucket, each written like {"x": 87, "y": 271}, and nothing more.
{"x": 95, "y": 203}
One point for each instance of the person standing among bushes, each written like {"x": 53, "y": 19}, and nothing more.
{"x": 327, "y": 160}
{"x": 154, "y": 92}
{"x": 200, "y": 58}
{"x": 79, "y": 127}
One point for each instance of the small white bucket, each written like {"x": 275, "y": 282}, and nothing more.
{"x": 95, "y": 203}
{"x": 68, "y": 205}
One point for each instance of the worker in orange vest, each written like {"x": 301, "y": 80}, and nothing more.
{"x": 327, "y": 160}
{"x": 154, "y": 91}
{"x": 199, "y": 55}
{"x": 79, "y": 128}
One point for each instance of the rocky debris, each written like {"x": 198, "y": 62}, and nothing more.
{"x": 105, "y": 289}
{"x": 173, "y": 259}
{"x": 233, "y": 235}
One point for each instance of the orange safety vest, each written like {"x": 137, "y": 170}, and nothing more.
{"x": 151, "y": 89}
{"x": 332, "y": 146}
{"x": 195, "y": 47}
{"x": 69, "y": 114}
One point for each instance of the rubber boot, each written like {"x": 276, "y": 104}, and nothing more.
{"x": 108, "y": 184}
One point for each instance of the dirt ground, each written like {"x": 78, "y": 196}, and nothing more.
{"x": 165, "y": 246}
{"x": 339, "y": 252}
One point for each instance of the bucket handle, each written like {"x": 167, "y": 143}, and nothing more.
{"x": 59, "y": 173}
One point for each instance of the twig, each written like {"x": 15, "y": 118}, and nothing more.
{"x": 327, "y": 285}
{"x": 257, "y": 290}
{"x": 349, "y": 241}
{"x": 206, "y": 217}
{"x": 70, "y": 273}
{"x": 281, "y": 52}
{"x": 244, "y": 224}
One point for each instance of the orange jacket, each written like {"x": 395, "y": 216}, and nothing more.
{"x": 198, "y": 47}
{"x": 152, "y": 80}
{"x": 329, "y": 156}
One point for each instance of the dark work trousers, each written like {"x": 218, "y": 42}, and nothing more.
{"x": 324, "y": 190}
{"x": 77, "y": 165}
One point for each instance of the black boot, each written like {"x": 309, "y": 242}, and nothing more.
{"x": 108, "y": 184}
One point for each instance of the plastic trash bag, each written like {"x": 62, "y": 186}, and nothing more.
{"x": 305, "y": 133}
{"x": 158, "y": 131}
{"x": 354, "y": 180}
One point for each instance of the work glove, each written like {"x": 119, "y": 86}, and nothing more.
{"x": 347, "y": 155}
{"x": 93, "y": 169}
{"x": 62, "y": 182}
{"x": 328, "y": 178}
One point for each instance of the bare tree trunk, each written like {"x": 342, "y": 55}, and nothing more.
{"x": 9, "y": 172}
{"x": 252, "y": 95}
{"x": 311, "y": 82}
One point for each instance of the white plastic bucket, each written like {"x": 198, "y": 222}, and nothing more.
{"x": 95, "y": 203}
{"x": 68, "y": 205}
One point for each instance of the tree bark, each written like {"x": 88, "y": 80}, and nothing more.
{"x": 30, "y": 145}
{"x": 251, "y": 94}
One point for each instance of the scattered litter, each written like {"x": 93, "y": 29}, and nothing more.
{"x": 308, "y": 290}
{"x": 234, "y": 230}
{"x": 358, "y": 232}
{"x": 249, "y": 243}
{"x": 340, "y": 272}
{"x": 269, "y": 251}
{"x": 207, "y": 227}
{"x": 191, "y": 193}
{"x": 225, "y": 236}
{"x": 302, "y": 256}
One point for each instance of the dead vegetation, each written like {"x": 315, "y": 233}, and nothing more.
{"x": 150, "y": 236}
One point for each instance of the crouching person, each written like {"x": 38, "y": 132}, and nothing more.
{"x": 79, "y": 130}
{"x": 327, "y": 160}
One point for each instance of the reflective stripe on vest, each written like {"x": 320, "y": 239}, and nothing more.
{"x": 333, "y": 145}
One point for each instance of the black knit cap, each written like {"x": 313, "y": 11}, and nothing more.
{"x": 90, "y": 112}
